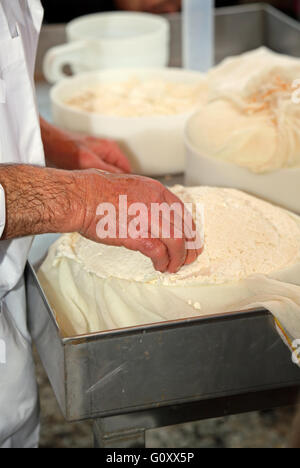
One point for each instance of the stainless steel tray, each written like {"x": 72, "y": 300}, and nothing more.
{"x": 239, "y": 29}
{"x": 154, "y": 367}
{"x": 170, "y": 363}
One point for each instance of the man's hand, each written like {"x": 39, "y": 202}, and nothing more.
{"x": 43, "y": 200}
{"x": 151, "y": 6}
{"x": 167, "y": 253}
{"x": 67, "y": 150}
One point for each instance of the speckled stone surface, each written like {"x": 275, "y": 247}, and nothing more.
{"x": 269, "y": 429}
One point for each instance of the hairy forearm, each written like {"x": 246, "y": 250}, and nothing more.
{"x": 41, "y": 200}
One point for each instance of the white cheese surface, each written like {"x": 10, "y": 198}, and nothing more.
{"x": 139, "y": 98}
{"x": 243, "y": 236}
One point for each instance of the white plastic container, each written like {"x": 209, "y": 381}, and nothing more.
{"x": 281, "y": 187}
{"x": 110, "y": 40}
{"x": 154, "y": 145}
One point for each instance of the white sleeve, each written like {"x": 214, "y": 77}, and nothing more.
{"x": 2, "y": 92}
{"x": 2, "y": 210}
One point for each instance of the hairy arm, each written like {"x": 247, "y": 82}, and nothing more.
{"x": 41, "y": 200}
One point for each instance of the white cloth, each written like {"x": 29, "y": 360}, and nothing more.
{"x": 20, "y": 142}
{"x": 257, "y": 266}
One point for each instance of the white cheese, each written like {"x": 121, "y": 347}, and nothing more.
{"x": 139, "y": 98}
{"x": 243, "y": 236}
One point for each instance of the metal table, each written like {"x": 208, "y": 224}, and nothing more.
{"x": 134, "y": 379}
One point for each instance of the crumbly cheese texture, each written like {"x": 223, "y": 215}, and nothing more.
{"x": 243, "y": 236}
{"x": 139, "y": 98}
{"x": 252, "y": 115}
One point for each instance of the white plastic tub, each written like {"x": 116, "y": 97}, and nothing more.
{"x": 281, "y": 187}
{"x": 154, "y": 145}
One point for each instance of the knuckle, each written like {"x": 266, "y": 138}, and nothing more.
{"x": 158, "y": 251}
{"x": 158, "y": 185}
{"x": 178, "y": 243}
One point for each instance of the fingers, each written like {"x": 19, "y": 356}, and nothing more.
{"x": 168, "y": 227}
{"x": 109, "y": 152}
{"x": 177, "y": 254}
{"x": 191, "y": 256}
{"x": 113, "y": 155}
{"x": 188, "y": 229}
{"x": 87, "y": 160}
{"x": 152, "y": 248}
{"x": 169, "y": 251}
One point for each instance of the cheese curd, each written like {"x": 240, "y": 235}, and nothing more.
{"x": 138, "y": 98}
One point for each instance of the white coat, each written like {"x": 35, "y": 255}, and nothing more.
{"x": 20, "y": 142}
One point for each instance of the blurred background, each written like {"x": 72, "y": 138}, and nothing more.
{"x": 57, "y": 11}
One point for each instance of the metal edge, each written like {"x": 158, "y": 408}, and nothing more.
{"x": 61, "y": 396}
{"x": 293, "y": 23}
{"x": 238, "y": 9}
{"x": 44, "y": 298}
{"x": 164, "y": 325}
{"x": 182, "y": 401}
{"x": 256, "y": 8}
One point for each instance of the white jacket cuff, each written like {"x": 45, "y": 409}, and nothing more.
{"x": 2, "y": 210}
